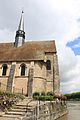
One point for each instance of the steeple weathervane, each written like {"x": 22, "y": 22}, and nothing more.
{"x": 20, "y": 34}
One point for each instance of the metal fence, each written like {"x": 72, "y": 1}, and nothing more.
{"x": 47, "y": 111}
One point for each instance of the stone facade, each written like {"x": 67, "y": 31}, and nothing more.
{"x": 43, "y": 80}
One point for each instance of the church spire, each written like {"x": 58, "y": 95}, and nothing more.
{"x": 21, "y": 24}
{"x": 20, "y": 34}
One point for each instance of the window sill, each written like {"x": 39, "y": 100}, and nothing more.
{"x": 4, "y": 76}
{"x": 21, "y": 76}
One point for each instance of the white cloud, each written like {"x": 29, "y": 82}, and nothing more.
{"x": 47, "y": 19}
{"x": 69, "y": 69}
{"x": 6, "y": 35}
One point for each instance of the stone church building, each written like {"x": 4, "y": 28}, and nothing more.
{"x": 28, "y": 67}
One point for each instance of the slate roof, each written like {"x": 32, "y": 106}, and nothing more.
{"x": 28, "y": 51}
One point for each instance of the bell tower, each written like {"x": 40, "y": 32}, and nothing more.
{"x": 20, "y": 34}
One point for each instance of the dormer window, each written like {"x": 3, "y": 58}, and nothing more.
{"x": 4, "y": 70}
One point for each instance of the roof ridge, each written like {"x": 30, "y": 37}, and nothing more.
{"x": 40, "y": 40}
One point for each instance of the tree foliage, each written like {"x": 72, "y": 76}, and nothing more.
{"x": 74, "y": 96}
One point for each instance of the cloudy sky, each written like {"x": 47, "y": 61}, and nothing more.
{"x": 48, "y": 20}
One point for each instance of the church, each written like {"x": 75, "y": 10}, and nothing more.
{"x": 29, "y": 67}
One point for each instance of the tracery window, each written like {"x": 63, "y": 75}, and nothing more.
{"x": 4, "y": 70}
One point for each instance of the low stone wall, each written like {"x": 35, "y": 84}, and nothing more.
{"x": 47, "y": 111}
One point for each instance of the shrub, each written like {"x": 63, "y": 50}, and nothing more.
{"x": 42, "y": 98}
{"x": 9, "y": 95}
{"x": 49, "y": 98}
{"x": 43, "y": 94}
{"x": 49, "y": 93}
{"x": 45, "y": 98}
{"x": 36, "y": 94}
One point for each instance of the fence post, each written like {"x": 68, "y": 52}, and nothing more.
{"x": 36, "y": 113}
{"x": 0, "y": 85}
{"x": 38, "y": 109}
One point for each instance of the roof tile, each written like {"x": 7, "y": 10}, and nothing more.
{"x": 33, "y": 50}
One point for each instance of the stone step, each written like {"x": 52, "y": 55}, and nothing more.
{"x": 19, "y": 107}
{"x": 2, "y": 113}
{"x": 22, "y": 107}
{"x": 15, "y": 113}
{"x": 9, "y": 118}
{"x": 18, "y": 110}
{"x": 23, "y": 103}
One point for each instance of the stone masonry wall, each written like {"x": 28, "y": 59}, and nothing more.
{"x": 49, "y": 74}
{"x": 43, "y": 80}
{"x": 56, "y": 76}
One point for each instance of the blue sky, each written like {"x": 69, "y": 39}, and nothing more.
{"x": 75, "y": 46}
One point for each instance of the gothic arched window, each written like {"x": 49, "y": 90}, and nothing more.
{"x": 48, "y": 65}
{"x": 4, "y": 69}
{"x": 23, "y": 70}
